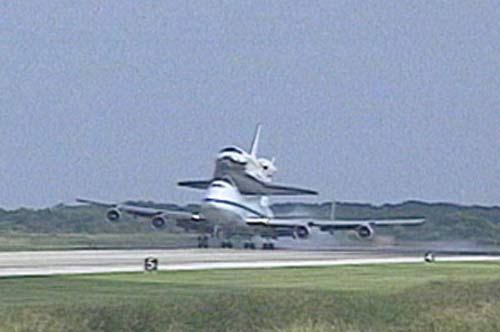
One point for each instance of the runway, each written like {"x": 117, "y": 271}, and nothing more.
{"x": 39, "y": 263}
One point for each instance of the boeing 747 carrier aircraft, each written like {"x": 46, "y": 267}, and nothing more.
{"x": 237, "y": 195}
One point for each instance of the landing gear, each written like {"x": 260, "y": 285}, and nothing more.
{"x": 203, "y": 241}
{"x": 268, "y": 246}
{"x": 226, "y": 244}
{"x": 249, "y": 245}
{"x": 268, "y": 241}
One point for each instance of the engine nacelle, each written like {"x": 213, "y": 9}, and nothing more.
{"x": 113, "y": 215}
{"x": 159, "y": 222}
{"x": 364, "y": 231}
{"x": 301, "y": 232}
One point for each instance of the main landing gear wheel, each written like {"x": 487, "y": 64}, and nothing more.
{"x": 226, "y": 244}
{"x": 203, "y": 241}
{"x": 268, "y": 246}
{"x": 249, "y": 245}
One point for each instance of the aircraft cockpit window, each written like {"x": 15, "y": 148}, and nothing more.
{"x": 231, "y": 149}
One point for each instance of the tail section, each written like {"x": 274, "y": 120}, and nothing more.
{"x": 255, "y": 142}
{"x": 332, "y": 210}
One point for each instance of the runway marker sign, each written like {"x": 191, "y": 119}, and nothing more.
{"x": 151, "y": 264}
{"x": 429, "y": 257}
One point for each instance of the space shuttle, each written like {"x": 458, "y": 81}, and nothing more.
{"x": 251, "y": 174}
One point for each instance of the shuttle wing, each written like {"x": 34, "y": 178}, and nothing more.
{"x": 196, "y": 184}
{"x": 248, "y": 185}
{"x": 275, "y": 189}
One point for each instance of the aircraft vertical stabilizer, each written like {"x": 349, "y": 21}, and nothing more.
{"x": 255, "y": 142}
{"x": 332, "y": 210}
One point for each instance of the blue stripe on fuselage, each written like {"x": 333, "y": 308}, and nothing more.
{"x": 231, "y": 203}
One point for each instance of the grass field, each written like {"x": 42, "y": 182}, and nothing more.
{"x": 406, "y": 297}
{"x": 40, "y": 241}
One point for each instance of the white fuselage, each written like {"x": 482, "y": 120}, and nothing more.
{"x": 224, "y": 204}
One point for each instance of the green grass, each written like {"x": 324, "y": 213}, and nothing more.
{"x": 40, "y": 241}
{"x": 406, "y": 297}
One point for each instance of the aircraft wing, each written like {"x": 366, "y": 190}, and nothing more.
{"x": 248, "y": 185}
{"x": 303, "y": 228}
{"x": 392, "y": 222}
{"x": 138, "y": 210}
{"x": 332, "y": 224}
{"x": 373, "y": 222}
{"x": 272, "y": 222}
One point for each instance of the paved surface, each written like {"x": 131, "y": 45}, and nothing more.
{"x": 79, "y": 262}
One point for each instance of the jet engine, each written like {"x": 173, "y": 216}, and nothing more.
{"x": 301, "y": 232}
{"x": 113, "y": 215}
{"x": 364, "y": 231}
{"x": 159, "y": 222}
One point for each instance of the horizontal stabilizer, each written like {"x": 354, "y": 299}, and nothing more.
{"x": 96, "y": 203}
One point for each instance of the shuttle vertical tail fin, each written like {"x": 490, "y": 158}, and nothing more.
{"x": 255, "y": 141}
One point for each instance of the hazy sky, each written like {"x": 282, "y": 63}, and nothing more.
{"x": 369, "y": 101}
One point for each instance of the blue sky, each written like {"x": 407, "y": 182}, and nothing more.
{"x": 368, "y": 101}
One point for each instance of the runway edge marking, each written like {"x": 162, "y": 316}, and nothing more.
{"x": 71, "y": 270}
